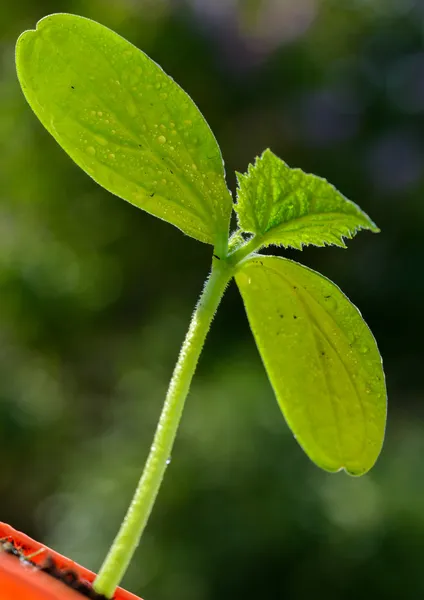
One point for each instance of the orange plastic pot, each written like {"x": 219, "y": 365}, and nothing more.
{"x": 18, "y": 581}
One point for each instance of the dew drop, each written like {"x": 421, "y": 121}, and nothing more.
{"x": 162, "y": 139}
{"x": 100, "y": 114}
{"x": 194, "y": 167}
{"x": 111, "y": 155}
{"x": 363, "y": 349}
{"x": 91, "y": 150}
{"x": 101, "y": 140}
{"x": 330, "y": 301}
{"x": 168, "y": 461}
{"x": 163, "y": 181}
{"x": 352, "y": 337}
{"x": 131, "y": 108}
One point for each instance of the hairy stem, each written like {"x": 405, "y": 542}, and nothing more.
{"x": 128, "y": 537}
{"x": 253, "y": 244}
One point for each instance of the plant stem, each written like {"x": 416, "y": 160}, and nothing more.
{"x": 128, "y": 537}
{"x": 254, "y": 243}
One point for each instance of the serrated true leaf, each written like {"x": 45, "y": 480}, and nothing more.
{"x": 290, "y": 208}
{"x": 321, "y": 359}
{"x": 125, "y": 122}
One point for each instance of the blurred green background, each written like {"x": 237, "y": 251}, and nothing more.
{"x": 95, "y": 298}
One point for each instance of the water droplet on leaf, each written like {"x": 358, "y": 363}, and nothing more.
{"x": 101, "y": 140}
{"x": 132, "y": 109}
{"x": 330, "y": 302}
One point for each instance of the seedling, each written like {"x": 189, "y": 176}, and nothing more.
{"x": 139, "y": 135}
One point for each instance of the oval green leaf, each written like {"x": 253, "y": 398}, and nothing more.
{"x": 322, "y": 361}
{"x": 126, "y": 123}
{"x": 288, "y": 207}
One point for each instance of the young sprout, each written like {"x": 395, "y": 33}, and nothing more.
{"x": 139, "y": 135}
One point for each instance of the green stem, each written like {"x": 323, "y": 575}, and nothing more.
{"x": 253, "y": 244}
{"x": 128, "y": 537}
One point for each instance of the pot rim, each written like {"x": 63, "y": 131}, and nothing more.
{"x": 16, "y": 576}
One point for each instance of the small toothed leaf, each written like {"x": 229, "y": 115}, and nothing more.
{"x": 125, "y": 122}
{"x": 290, "y": 208}
{"x": 322, "y": 361}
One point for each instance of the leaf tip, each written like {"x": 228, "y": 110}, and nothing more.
{"x": 355, "y": 471}
{"x": 30, "y": 34}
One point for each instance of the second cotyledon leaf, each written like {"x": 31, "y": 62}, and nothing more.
{"x": 322, "y": 361}
{"x": 288, "y": 207}
{"x": 126, "y": 123}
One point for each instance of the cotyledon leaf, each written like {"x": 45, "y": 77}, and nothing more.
{"x": 125, "y": 122}
{"x": 288, "y": 207}
{"x": 322, "y": 361}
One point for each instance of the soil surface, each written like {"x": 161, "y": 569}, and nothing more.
{"x": 66, "y": 576}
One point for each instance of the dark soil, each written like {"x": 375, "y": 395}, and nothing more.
{"x": 49, "y": 566}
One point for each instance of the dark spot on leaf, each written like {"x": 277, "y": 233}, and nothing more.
{"x": 295, "y": 287}
{"x": 327, "y": 297}
{"x": 72, "y": 87}
{"x": 139, "y": 145}
{"x": 294, "y": 316}
{"x": 172, "y": 172}
{"x": 217, "y": 257}
{"x": 152, "y": 194}
{"x": 323, "y": 353}
{"x": 281, "y": 316}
